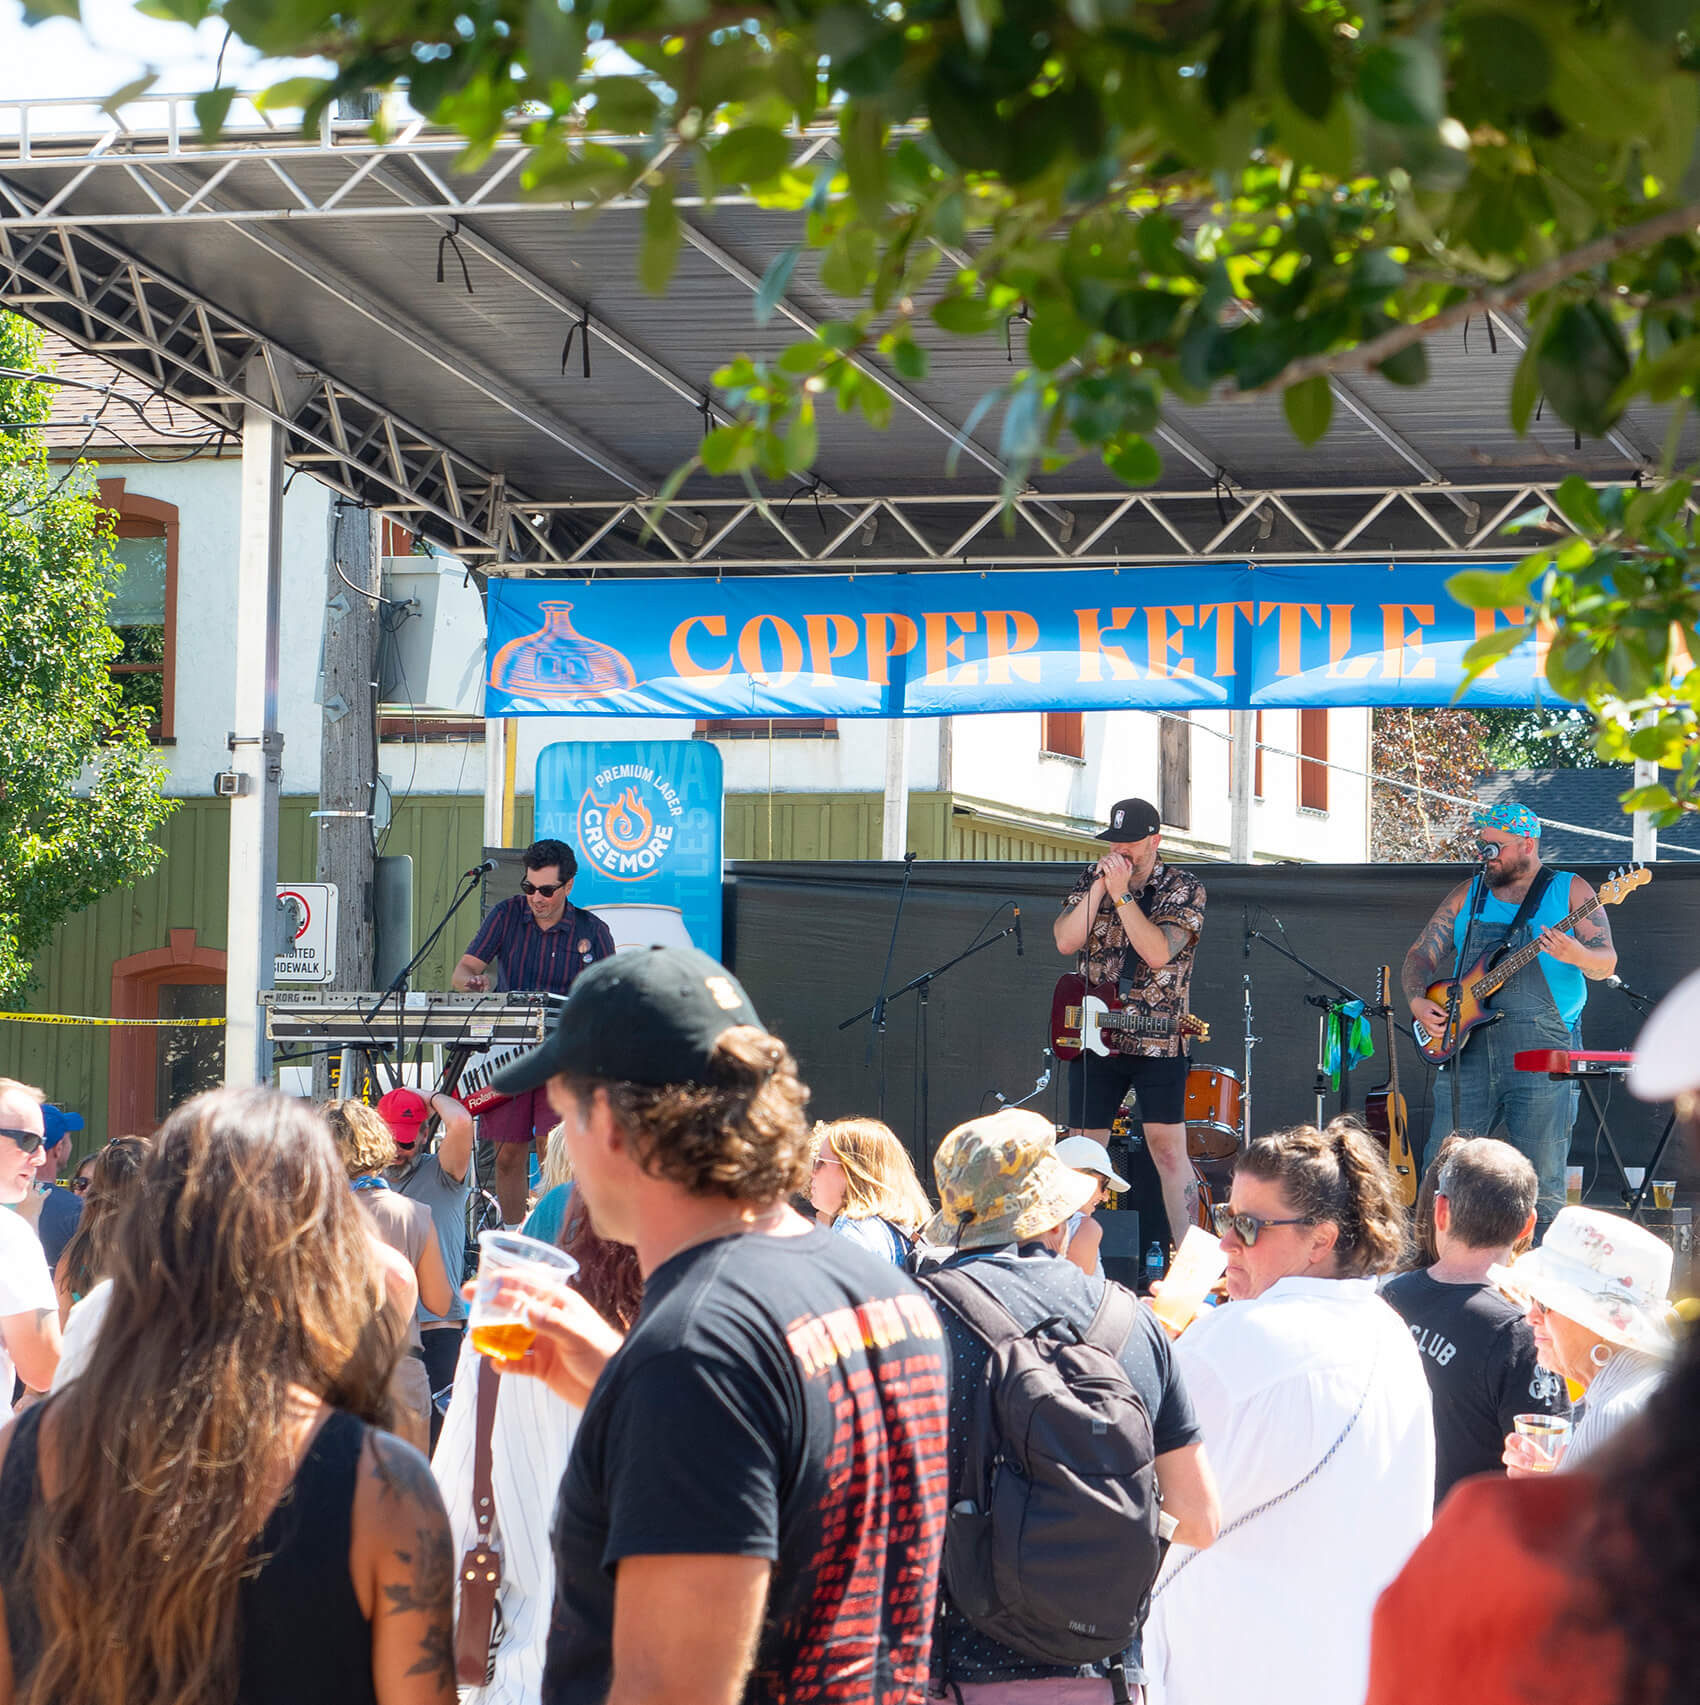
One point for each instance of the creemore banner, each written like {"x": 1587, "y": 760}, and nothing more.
{"x": 1231, "y": 636}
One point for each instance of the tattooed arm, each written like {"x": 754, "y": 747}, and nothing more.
{"x": 1589, "y": 947}
{"x": 1431, "y": 957}
{"x": 404, "y": 1567}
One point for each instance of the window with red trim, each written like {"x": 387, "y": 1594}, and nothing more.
{"x": 1062, "y": 733}
{"x": 143, "y": 610}
{"x": 1313, "y": 760}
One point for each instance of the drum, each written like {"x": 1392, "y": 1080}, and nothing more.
{"x": 1213, "y": 1100}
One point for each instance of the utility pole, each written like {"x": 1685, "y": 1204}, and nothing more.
{"x": 348, "y": 748}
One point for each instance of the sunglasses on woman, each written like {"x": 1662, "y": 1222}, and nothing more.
{"x": 1246, "y": 1227}
{"x": 547, "y": 890}
{"x": 28, "y": 1141}
{"x": 80, "y": 1186}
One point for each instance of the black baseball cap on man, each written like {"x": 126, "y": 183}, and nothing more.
{"x": 649, "y": 1016}
{"x": 1131, "y": 820}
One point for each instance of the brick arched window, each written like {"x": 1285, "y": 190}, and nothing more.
{"x": 143, "y": 610}
{"x": 152, "y": 1070}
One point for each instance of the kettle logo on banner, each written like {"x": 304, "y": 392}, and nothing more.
{"x": 559, "y": 662}
{"x": 627, "y": 836}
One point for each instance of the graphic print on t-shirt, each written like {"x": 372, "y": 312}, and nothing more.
{"x": 875, "y": 1569}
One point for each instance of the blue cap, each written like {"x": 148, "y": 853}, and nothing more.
{"x": 58, "y": 1124}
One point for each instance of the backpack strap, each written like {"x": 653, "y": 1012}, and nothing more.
{"x": 975, "y": 1302}
{"x": 1114, "y": 1320}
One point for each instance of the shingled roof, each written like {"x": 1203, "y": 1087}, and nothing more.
{"x": 131, "y": 415}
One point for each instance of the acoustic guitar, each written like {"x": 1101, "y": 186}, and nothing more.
{"x": 1466, "y": 1001}
{"x": 1384, "y": 1107}
{"x": 1083, "y": 1015}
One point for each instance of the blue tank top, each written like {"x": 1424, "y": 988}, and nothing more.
{"x": 1569, "y": 987}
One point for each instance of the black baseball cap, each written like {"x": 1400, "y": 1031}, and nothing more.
{"x": 1131, "y": 820}
{"x": 648, "y": 1015}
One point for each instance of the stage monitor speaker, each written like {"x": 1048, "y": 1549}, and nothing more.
{"x": 1120, "y": 1251}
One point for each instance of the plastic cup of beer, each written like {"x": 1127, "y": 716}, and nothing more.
{"x": 497, "y": 1317}
{"x": 1573, "y": 1186}
{"x": 1549, "y": 1434}
{"x": 1198, "y": 1264}
{"x": 1664, "y": 1192}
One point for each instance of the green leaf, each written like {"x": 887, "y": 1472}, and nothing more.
{"x": 1307, "y": 77}
{"x": 1141, "y": 318}
{"x": 1652, "y": 798}
{"x": 1228, "y": 73}
{"x": 1582, "y": 363}
{"x": 849, "y": 259}
{"x": 1309, "y": 407}
{"x": 1134, "y": 460}
{"x": 1650, "y": 511}
{"x": 1579, "y": 504}
{"x": 774, "y": 282}
{"x": 727, "y": 448}
{"x": 802, "y": 440}
{"x": 211, "y": 108}
{"x": 1506, "y": 54}
{"x": 963, "y": 316}
{"x": 131, "y": 91}
{"x": 751, "y": 154}
{"x": 1491, "y": 648}
{"x": 1056, "y": 335}
{"x": 908, "y": 358}
{"x": 1408, "y": 367}
{"x": 661, "y": 232}
{"x": 554, "y": 43}
{"x": 1400, "y": 82}
{"x": 1483, "y": 588}
{"x": 1525, "y": 389}
{"x": 862, "y": 143}
{"x": 624, "y": 105}
{"x": 290, "y": 94}
{"x": 39, "y": 11}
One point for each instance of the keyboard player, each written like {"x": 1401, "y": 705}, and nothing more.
{"x": 542, "y": 941}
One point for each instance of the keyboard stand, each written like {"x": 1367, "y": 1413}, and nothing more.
{"x": 1631, "y": 1197}
{"x": 1639, "y": 1199}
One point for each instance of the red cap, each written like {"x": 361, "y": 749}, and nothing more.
{"x": 405, "y": 1112}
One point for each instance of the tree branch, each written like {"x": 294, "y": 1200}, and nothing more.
{"x": 1375, "y": 350}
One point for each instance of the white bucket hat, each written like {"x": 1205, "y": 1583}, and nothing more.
{"x": 1667, "y": 1061}
{"x": 1602, "y": 1271}
{"x": 1085, "y": 1154}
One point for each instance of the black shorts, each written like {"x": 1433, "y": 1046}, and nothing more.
{"x": 1098, "y": 1084}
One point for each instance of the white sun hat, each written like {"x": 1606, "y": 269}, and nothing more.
{"x": 1085, "y": 1154}
{"x": 1602, "y": 1271}
{"x": 1667, "y": 1052}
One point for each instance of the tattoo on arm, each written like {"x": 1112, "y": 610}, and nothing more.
{"x": 427, "y": 1588}
{"x": 1593, "y": 931}
{"x": 1190, "y": 1195}
{"x": 1177, "y": 936}
{"x": 1430, "y": 953}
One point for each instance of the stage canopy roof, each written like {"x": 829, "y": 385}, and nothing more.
{"x": 409, "y": 324}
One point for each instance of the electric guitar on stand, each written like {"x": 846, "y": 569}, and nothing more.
{"x": 1083, "y": 1015}
{"x": 1466, "y": 1001}
{"x": 1384, "y": 1107}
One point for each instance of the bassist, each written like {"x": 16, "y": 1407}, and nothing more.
{"x": 1540, "y": 1007}
{"x": 1135, "y": 921}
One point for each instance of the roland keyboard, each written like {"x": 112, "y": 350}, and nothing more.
{"x": 477, "y": 1021}
{"x": 472, "y": 1086}
{"x": 1574, "y": 1062}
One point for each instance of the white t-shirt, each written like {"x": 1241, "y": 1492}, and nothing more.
{"x": 82, "y": 1328}
{"x": 1274, "y": 1382}
{"x": 25, "y": 1285}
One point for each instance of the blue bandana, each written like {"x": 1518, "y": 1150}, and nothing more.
{"x": 1513, "y": 818}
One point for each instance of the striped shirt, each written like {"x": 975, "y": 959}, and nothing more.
{"x": 541, "y": 960}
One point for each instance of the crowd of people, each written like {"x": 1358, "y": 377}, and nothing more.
{"x": 791, "y": 1434}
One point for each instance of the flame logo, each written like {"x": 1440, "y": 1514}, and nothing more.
{"x": 628, "y": 824}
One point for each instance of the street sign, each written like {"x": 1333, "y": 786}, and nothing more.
{"x": 309, "y": 924}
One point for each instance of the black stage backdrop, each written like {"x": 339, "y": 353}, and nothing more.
{"x": 808, "y": 941}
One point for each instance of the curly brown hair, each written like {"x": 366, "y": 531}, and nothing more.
{"x": 241, "y": 1267}
{"x": 743, "y": 1136}
{"x": 112, "y": 1182}
{"x": 609, "y": 1277}
{"x": 1337, "y": 1175}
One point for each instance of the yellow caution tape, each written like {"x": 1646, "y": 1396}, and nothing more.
{"x": 78, "y": 1018}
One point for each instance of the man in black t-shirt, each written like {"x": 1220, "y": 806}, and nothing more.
{"x": 1478, "y": 1348}
{"x": 754, "y": 1506}
{"x": 1007, "y": 1201}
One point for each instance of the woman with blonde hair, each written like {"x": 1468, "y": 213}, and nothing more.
{"x": 864, "y": 1183}
{"x": 367, "y": 1149}
{"x": 217, "y": 1482}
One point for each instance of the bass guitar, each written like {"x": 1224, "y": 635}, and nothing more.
{"x": 1466, "y": 1001}
{"x": 1384, "y": 1107}
{"x": 1083, "y": 1016}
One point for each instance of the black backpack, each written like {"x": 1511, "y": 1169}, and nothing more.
{"x": 1051, "y": 1544}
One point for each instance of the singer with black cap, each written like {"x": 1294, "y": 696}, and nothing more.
{"x": 543, "y": 941}
{"x": 1135, "y": 921}
{"x": 1513, "y": 900}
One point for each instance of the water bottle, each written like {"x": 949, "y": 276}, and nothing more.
{"x": 1153, "y": 1262}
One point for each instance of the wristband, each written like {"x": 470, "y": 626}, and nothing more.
{"x": 1125, "y": 900}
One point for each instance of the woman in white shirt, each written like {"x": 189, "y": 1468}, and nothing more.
{"x": 530, "y": 1439}
{"x": 1317, "y": 1414}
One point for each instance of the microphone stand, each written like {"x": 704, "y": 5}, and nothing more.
{"x": 1342, "y": 993}
{"x": 877, "y": 1010}
{"x": 922, "y": 987}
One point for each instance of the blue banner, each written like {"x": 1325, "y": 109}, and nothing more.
{"x": 1223, "y": 635}
{"x": 644, "y": 817}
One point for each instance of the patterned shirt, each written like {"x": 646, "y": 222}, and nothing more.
{"x": 1170, "y": 896}
{"x": 537, "y": 960}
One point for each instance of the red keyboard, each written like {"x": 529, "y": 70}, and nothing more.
{"x": 1574, "y": 1062}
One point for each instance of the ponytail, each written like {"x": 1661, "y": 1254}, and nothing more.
{"x": 1336, "y": 1175}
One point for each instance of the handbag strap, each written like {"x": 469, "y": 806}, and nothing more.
{"x": 1297, "y": 1486}
{"x": 483, "y": 1499}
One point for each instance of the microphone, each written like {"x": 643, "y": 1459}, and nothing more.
{"x": 1487, "y": 851}
{"x": 481, "y": 870}
{"x": 1020, "y": 945}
